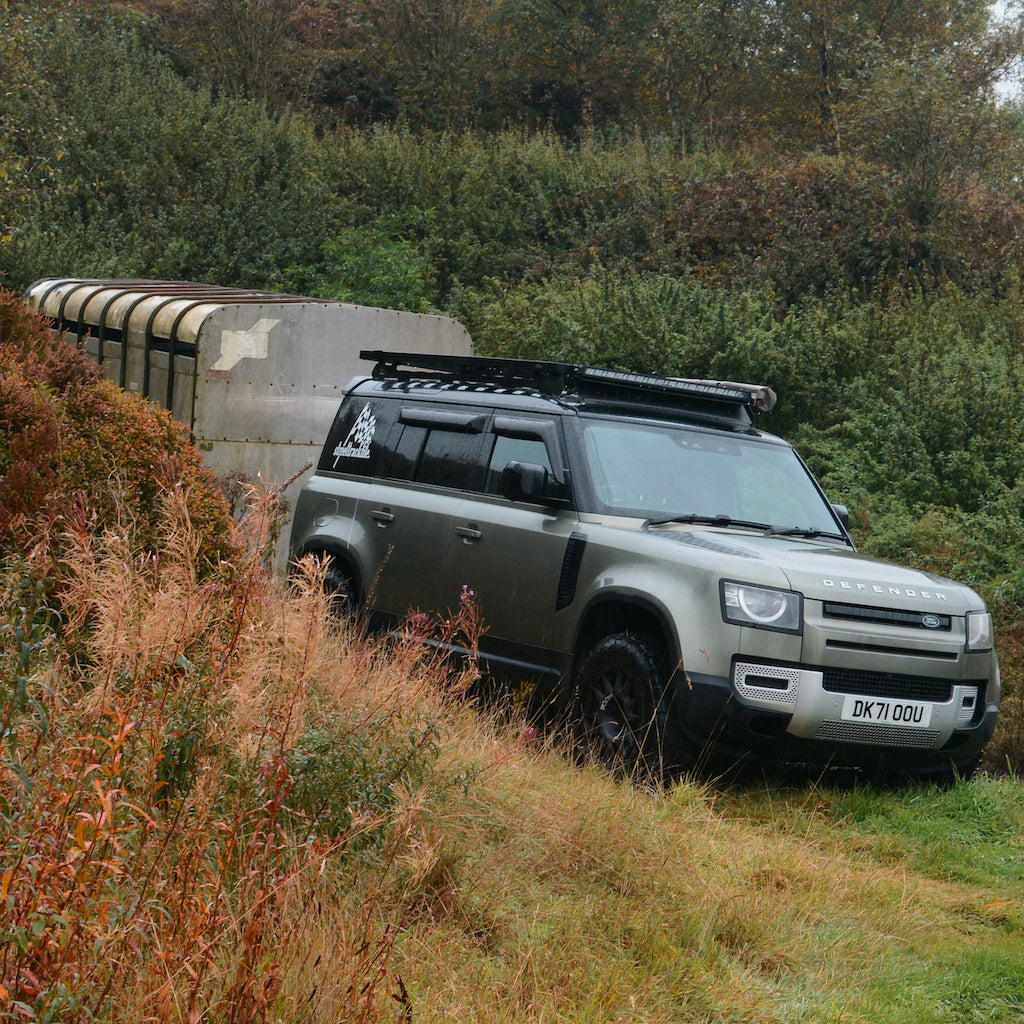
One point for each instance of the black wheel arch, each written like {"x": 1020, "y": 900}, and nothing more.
{"x": 339, "y": 554}
{"x": 618, "y": 613}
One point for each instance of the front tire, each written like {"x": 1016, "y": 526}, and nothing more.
{"x": 622, "y": 715}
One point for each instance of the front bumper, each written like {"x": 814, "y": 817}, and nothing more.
{"x": 795, "y": 713}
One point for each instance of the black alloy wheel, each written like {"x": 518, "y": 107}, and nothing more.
{"x": 622, "y": 718}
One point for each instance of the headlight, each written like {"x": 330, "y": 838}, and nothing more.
{"x": 979, "y": 631}
{"x": 762, "y": 607}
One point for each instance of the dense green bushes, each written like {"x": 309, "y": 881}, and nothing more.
{"x": 156, "y": 179}
{"x": 151, "y": 177}
{"x": 506, "y": 206}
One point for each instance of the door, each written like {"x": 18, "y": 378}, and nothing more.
{"x": 436, "y": 457}
{"x": 511, "y": 555}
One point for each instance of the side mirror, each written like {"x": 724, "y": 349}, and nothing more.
{"x": 525, "y": 481}
{"x": 843, "y": 513}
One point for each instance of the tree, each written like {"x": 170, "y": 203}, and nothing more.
{"x": 31, "y": 129}
{"x": 921, "y": 116}
{"x": 576, "y": 64}
{"x": 432, "y": 52}
{"x": 814, "y": 50}
{"x": 691, "y": 49}
{"x": 270, "y": 51}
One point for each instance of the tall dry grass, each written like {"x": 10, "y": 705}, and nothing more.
{"x": 200, "y": 764}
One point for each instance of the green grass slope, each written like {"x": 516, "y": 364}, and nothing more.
{"x": 555, "y": 894}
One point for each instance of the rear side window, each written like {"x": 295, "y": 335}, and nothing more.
{"x": 408, "y": 447}
{"x": 356, "y": 442}
{"x": 428, "y": 443}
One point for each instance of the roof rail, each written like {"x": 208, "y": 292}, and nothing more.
{"x": 592, "y": 385}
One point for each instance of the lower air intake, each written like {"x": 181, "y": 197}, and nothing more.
{"x": 877, "y": 735}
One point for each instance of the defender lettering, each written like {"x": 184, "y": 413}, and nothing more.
{"x": 877, "y": 588}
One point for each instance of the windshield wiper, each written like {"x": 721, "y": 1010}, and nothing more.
{"x": 721, "y": 521}
{"x": 802, "y": 531}
{"x": 726, "y": 522}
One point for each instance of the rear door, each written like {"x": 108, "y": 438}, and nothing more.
{"x": 436, "y": 454}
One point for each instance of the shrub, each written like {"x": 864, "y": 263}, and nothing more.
{"x": 78, "y": 453}
{"x": 502, "y": 206}
{"x": 157, "y": 179}
{"x": 816, "y": 226}
{"x": 361, "y": 267}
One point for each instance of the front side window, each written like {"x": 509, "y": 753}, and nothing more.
{"x": 515, "y": 449}
{"x": 654, "y": 470}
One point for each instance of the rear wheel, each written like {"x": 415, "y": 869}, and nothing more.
{"x": 340, "y": 587}
{"x": 622, "y": 716}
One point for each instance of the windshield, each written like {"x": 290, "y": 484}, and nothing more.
{"x": 665, "y": 471}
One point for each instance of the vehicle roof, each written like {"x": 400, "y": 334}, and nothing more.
{"x": 723, "y": 404}
{"x": 734, "y": 419}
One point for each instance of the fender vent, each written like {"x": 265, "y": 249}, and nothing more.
{"x": 570, "y": 570}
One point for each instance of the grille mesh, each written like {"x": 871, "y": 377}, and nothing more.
{"x": 889, "y": 616}
{"x": 877, "y": 735}
{"x": 887, "y": 684}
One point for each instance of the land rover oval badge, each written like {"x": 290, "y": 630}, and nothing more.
{"x": 931, "y": 622}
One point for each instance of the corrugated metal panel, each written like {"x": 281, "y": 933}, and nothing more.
{"x": 256, "y": 375}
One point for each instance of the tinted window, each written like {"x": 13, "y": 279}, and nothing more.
{"x": 452, "y": 459}
{"x": 407, "y": 450}
{"x": 356, "y": 442}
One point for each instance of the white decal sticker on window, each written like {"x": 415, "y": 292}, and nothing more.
{"x": 357, "y": 444}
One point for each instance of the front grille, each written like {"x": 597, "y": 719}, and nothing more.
{"x": 877, "y": 735}
{"x": 908, "y": 652}
{"x": 886, "y": 684}
{"x": 888, "y": 616}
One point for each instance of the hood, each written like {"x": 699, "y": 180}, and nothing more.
{"x": 825, "y": 573}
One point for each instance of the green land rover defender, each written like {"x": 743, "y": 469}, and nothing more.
{"x": 669, "y": 574}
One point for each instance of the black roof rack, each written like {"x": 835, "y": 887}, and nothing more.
{"x": 594, "y": 387}
{"x": 546, "y": 377}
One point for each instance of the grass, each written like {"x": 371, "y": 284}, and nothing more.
{"x": 581, "y": 899}
{"x": 217, "y": 806}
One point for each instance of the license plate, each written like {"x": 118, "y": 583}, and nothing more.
{"x": 882, "y": 711}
